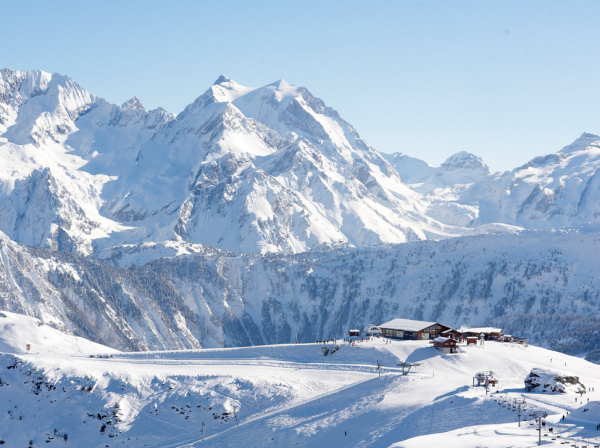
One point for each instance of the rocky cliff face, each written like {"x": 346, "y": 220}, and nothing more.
{"x": 213, "y": 298}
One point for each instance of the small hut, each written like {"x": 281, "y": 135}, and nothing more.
{"x": 445, "y": 345}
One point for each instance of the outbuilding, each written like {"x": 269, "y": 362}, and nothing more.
{"x": 411, "y": 329}
{"x": 471, "y": 340}
{"x": 354, "y": 333}
{"x": 446, "y": 345}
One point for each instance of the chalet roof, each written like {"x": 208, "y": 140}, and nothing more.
{"x": 407, "y": 324}
{"x": 440, "y": 339}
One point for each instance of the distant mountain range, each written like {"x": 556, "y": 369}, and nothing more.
{"x": 270, "y": 173}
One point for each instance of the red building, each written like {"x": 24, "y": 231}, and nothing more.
{"x": 446, "y": 345}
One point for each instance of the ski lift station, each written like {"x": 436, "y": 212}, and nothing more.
{"x": 481, "y": 378}
{"x": 372, "y": 330}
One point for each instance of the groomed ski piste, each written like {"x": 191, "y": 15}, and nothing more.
{"x": 67, "y": 391}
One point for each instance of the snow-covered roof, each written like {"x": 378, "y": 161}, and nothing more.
{"x": 358, "y": 331}
{"x": 482, "y": 330}
{"x": 440, "y": 339}
{"x": 406, "y": 324}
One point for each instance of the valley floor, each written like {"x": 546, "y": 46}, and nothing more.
{"x": 289, "y": 395}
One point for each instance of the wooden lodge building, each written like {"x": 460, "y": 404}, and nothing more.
{"x": 414, "y": 330}
{"x": 451, "y": 333}
{"x": 489, "y": 333}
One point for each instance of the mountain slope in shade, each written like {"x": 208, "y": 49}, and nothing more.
{"x": 213, "y": 298}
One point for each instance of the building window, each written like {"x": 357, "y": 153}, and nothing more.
{"x": 424, "y": 335}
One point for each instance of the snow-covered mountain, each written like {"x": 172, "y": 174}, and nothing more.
{"x": 559, "y": 190}
{"x": 256, "y": 213}
{"x": 269, "y": 169}
{"x": 411, "y": 169}
{"x": 252, "y": 170}
{"x": 552, "y": 191}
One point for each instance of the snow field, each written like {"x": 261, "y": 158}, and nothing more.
{"x": 283, "y": 395}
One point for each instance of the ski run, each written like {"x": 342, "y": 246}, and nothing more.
{"x": 66, "y": 391}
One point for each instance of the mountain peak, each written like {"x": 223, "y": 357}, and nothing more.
{"x": 280, "y": 84}
{"x": 221, "y": 79}
{"x": 133, "y": 104}
{"x": 465, "y": 161}
{"x": 585, "y": 140}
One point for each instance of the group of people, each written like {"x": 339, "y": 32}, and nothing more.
{"x": 325, "y": 342}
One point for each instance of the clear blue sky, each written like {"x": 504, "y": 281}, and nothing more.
{"x": 505, "y": 80}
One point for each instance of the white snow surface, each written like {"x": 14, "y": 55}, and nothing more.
{"x": 17, "y": 331}
{"x": 286, "y": 395}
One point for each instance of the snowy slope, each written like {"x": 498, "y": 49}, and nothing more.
{"x": 411, "y": 169}
{"x": 285, "y": 395}
{"x": 459, "y": 169}
{"x": 18, "y": 330}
